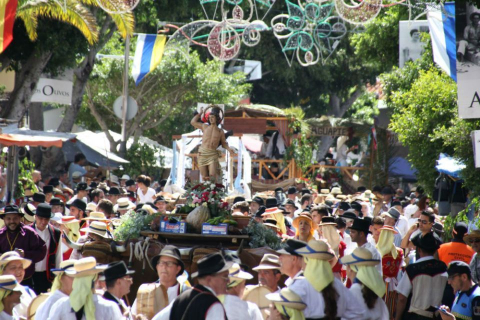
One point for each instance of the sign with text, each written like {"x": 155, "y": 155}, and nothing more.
{"x": 467, "y": 19}
{"x": 54, "y": 91}
{"x": 329, "y": 131}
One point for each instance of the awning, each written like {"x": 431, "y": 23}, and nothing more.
{"x": 400, "y": 167}
{"x": 25, "y": 137}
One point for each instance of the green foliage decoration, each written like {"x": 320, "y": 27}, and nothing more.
{"x": 262, "y": 236}
{"x": 25, "y": 179}
{"x": 300, "y": 147}
{"x": 132, "y": 223}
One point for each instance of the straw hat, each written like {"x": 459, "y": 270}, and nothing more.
{"x": 474, "y": 234}
{"x": 336, "y": 191}
{"x": 68, "y": 219}
{"x": 324, "y": 192}
{"x": 99, "y": 216}
{"x": 306, "y": 216}
{"x": 272, "y": 210}
{"x": 98, "y": 228}
{"x": 85, "y": 267}
{"x": 316, "y": 249}
{"x": 123, "y": 204}
{"x": 91, "y": 206}
{"x": 36, "y": 302}
{"x": 257, "y": 294}
{"x": 10, "y": 256}
{"x": 236, "y": 273}
{"x": 8, "y": 282}
{"x": 287, "y": 298}
{"x": 28, "y": 211}
{"x": 57, "y": 217}
{"x": 360, "y": 257}
{"x": 269, "y": 262}
{"x": 64, "y": 265}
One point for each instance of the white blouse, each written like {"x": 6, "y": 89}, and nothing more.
{"x": 379, "y": 311}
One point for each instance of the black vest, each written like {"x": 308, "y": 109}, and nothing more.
{"x": 108, "y": 296}
{"x": 52, "y": 250}
{"x": 431, "y": 267}
{"x": 193, "y": 304}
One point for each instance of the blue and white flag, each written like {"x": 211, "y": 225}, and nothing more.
{"x": 442, "y": 32}
{"x": 148, "y": 55}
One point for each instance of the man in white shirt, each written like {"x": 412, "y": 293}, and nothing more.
{"x": 118, "y": 282}
{"x": 426, "y": 272}
{"x": 42, "y": 278}
{"x": 359, "y": 232}
{"x": 201, "y": 302}
{"x": 169, "y": 266}
{"x": 61, "y": 288}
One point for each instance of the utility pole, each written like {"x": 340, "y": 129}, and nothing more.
{"x": 123, "y": 143}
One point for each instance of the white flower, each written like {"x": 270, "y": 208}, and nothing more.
{"x": 212, "y": 186}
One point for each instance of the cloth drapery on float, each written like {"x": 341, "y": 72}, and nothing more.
{"x": 193, "y": 139}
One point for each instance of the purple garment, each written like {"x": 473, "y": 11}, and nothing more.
{"x": 28, "y": 240}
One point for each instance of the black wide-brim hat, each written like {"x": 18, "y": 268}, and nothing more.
{"x": 13, "y": 209}
{"x": 172, "y": 252}
{"x": 429, "y": 242}
{"x": 44, "y": 211}
{"x": 116, "y": 270}
{"x": 47, "y": 189}
{"x": 271, "y": 202}
{"x": 39, "y": 197}
{"x": 56, "y": 202}
{"x": 79, "y": 204}
{"x": 361, "y": 225}
{"x": 211, "y": 264}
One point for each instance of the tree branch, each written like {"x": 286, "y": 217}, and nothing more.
{"x": 101, "y": 122}
{"x": 348, "y": 103}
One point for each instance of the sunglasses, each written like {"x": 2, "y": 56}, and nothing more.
{"x": 423, "y": 221}
{"x": 475, "y": 241}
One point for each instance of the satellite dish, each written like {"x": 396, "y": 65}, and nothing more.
{"x": 132, "y": 107}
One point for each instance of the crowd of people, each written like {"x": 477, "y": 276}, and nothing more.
{"x": 373, "y": 254}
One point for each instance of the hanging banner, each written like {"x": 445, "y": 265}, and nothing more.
{"x": 467, "y": 25}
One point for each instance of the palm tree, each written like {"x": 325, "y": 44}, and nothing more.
{"x": 75, "y": 13}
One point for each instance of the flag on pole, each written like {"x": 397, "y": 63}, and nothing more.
{"x": 8, "y": 9}
{"x": 148, "y": 54}
{"x": 442, "y": 31}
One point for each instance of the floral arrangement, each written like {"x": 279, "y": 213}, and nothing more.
{"x": 132, "y": 223}
{"x": 211, "y": 194}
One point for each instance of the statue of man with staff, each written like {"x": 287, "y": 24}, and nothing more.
{"x": 213, "y": 137}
